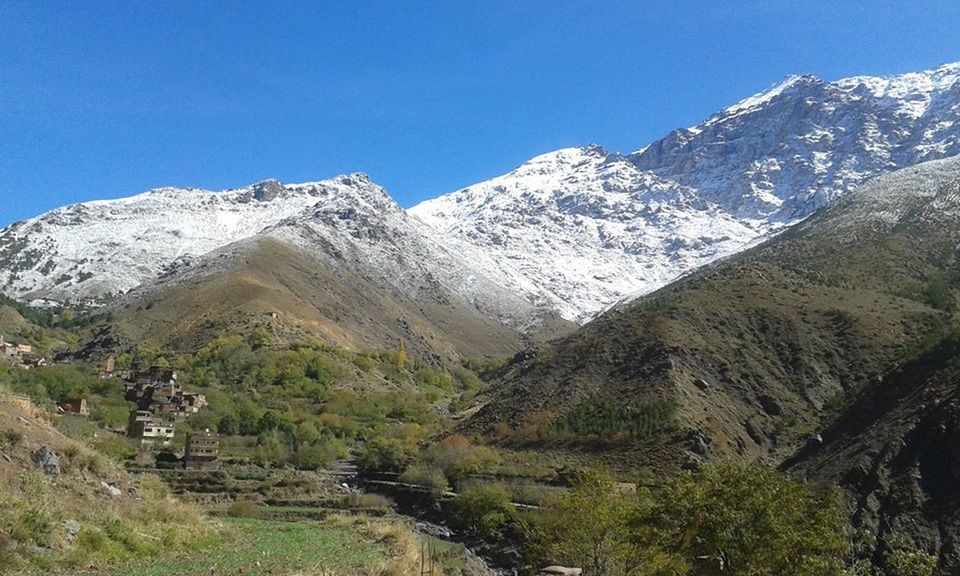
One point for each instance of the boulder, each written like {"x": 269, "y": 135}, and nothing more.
{"x": 111, "y": 490}
{"x": 560, "y": 571}
{"x": 46, "y": 460}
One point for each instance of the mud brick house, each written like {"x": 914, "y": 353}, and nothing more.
{"x": 149, "y": 429}
{"x": 74, "y": 406}
{"x": 157, "y": 390}
{"x": 202, "y": 451}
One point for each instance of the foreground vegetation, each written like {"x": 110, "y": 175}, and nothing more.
{"x": 339, "y": 545}
{"x": 43, "y": 530}
{"x": 742, "y": 520}
{"x": 303, "y": 405}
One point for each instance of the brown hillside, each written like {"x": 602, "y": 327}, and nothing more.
{"x": 268, "y": 283}
{"x": 752, "y": 350}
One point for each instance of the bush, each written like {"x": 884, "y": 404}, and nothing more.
{"x": 484, "y": 510}
{"x": 909, "y": 563}
{"x": 754, "y": 518}
{"x": 432, "y": 478}
{"x": 10, "y": 438}
{"x": 367, "y": 501}
{"x": 457, "y": 458}
{"x": 609, "y": 419}
{"x": 592, "y": 526}
{"x": 314, "y": 456}
{"x": 115, "y": 447}
{"x": 34, "y": 525}
{"x": 382, "y": 454}
{"x": 246, "y": 509}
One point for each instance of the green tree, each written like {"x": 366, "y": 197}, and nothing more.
{"x": 401, "y": 358}
{"x": 909, "y": 563}
{"x": 260, "y": 338}
{"x": 484, "y": 510}
{"x": 124, "y": 361}
{"x": 306, "y": 433}
{"x": 382, "y": 454}
{"x": 749, "y": 521}
{"x": 228, "y": 426}
{"x": 589, "y": 526}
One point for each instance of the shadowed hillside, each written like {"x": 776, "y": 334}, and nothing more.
{"x": 757, "y": 351}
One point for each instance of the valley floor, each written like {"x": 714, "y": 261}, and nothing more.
{"x": 260, "y": 547}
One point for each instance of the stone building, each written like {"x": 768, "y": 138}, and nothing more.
{"x": 74, "y": 406}
{"x": 202, "y": 451}
{"x": 147, "y": 428}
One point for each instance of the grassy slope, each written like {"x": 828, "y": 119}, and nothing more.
{"x": 310, "y": 300}
{"x": 263, "y": 547}
{"x": 753, "y": 348}
{"x": 35, "y": 508}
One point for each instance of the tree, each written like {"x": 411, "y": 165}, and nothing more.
{"x": 124, "y": 361}
{"x": 260, "y": 338}
{"x": 228, "y": 426}
{"x": 909, "y": 563}
{"x": 382, "y": 454}
{"x": 590, "y": 526}
{"x": 401, "y": 355}
{"x": 306, "y": 434}
{"x": 484, "y": 510}
{"x": 749, "y": 521}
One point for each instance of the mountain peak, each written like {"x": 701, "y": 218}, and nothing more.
{"x": 758, "y": 100}
{"x": 585, "y": 228}
{"x": 267, "y": 190}
{"x": 80, "y": 245}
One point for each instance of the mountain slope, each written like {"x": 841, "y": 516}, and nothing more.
{"x": 752, "y": 350}
{"x": 581, "y": 228}
{"x": 354, "y": 270}
{"x": 895, "y": 449}
{"x": 95, "y": 250}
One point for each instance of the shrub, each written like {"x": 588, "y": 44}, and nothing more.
{"x": 609, "y": 419}
{"x": 940, "y": 296}
{"x": 246, "y": 509}
{"x": 909, "y": 563}
{"x": 314, "y": 456}
{"x": 457, "y": 458}
{"x": 754, "y": 518}
{"x": 591, "y": 525}
{"x": 484, "y": 510}
{"x": 33, "y": 524}
{"x": 115, "y": 447}
{"x": 367, "y": 501}
{"x": 10, "y": 438}
{"x": 426, "y": 476}
{"x": 382, "y": 454}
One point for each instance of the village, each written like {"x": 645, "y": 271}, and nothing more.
{"x": 159, "y": 403}
{"x": 21, "y": 355}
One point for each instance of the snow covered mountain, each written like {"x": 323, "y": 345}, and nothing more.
{"x": 574, "y": 230}
{"x": 91, "y": 251}
{"x": 581, "y": 228}
{"x": 347, "y": 225}
{"x": 358, "y": 226}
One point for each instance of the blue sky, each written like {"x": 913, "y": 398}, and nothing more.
{"x": 107, "y": 99}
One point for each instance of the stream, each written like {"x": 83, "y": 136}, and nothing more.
{"x": 430, "y": 518}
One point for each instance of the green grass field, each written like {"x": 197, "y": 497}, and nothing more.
{"x": 262, "y": 547}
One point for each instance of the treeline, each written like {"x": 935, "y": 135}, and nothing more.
{"x": 595, "y": 421}
{"x": 55, "y": 317}
{"x": 609, "y": 419}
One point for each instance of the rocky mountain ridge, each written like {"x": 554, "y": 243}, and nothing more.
{"x": 576, "y": 230}
{"x": 586, "y": 228}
